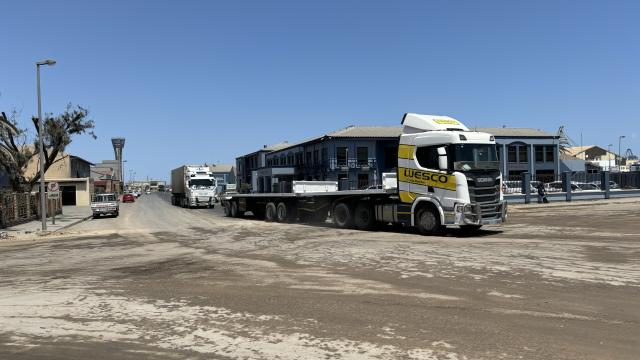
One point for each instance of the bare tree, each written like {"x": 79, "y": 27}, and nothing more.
{"x": 16, "y": 153}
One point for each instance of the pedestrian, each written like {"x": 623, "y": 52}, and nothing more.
{"x": 542, "y": 195}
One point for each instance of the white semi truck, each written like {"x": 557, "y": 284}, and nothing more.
{"x": 446, "y": 175}
{"x": 193, "y": 186}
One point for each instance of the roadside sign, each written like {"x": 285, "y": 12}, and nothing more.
{"x": 53, "y": 187}
{"x": 53, "y": 195}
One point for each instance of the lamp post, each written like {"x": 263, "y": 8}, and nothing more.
{"x": 122, "y": 175}
{"x": 620, "y": 151}
{"x": 609, "y": 155}
{"x": 43, "y": 206}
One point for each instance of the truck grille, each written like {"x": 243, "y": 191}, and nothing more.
{"x": 487, "y": 197}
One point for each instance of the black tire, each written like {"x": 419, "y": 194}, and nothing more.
{"x": 227, "y": 210}
{"x": 364, "y": 217}
{"x": 428, "y": 221}
{"x": 234, "y": 209}
{"x": 342, "y": 216}
{"x": 270, "y": 212}
{"x": 470, "y": 229}
{"x": 283, "y": 212}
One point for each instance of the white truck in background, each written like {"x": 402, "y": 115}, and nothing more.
{"x": 193, "y": 186}
{"x": 446, "y": 175}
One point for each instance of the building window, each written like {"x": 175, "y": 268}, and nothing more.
{"x": 539, "y": 153}
{"x": 513, "y": 153}
{"x": 523, "y": 154}
{"x": 427, "y": 157}
{"x": 341, "y": 155}
{"x": 363, "y": 181}
{"x": 499, "y": 151}
{"x": 324, "y": 154}
{"x": 316, "y": 157}
{"x": 363, "y": 155}
{"x": 308, "y": 160}
{"x": 550, "y": 154}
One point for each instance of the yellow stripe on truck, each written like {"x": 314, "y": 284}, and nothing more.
{"x": 407, "y": 196}
{"x": 427, "y": 178}
{"x": 405, "y": 151}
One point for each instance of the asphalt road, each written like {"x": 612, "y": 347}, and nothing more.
{"x": 161, "y": 282}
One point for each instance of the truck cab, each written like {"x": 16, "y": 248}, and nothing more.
{"x": 450, "y": 170}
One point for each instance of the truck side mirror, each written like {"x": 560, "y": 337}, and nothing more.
{"x": 443, "y": 160}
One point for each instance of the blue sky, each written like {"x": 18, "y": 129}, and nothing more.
{"x": 205, "y": 81}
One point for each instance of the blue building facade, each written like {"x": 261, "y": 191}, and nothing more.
{"x": 355, "y": 157}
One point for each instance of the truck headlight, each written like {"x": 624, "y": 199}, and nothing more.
{"x": 459, "y": 208}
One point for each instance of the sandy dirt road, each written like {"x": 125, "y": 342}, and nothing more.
{"x": 161, "y": 282}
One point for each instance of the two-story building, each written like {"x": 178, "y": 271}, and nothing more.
{"x": 355, "y": 156}
{"x": 247, "y": 165}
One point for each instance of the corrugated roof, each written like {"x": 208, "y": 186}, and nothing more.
{"x": 575, "y": 150}
{"x": 278, "y": 146}
{"x": 367, "y": 132}
{"x": 221, "y": 168}
{"x": 514, "y": 132}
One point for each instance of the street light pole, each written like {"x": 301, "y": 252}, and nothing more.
{"x": 620, "y": 151}
{"x": 43, "y": 205}
{"x": 609, "y": 155}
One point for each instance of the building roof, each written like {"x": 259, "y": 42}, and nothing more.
{"x": 575, "y": 150}
{"x": 81, "y": 159}
{"x": 514, "y": 132}
{"x": 366, "y": 132}
{"x": 222, "y": 168}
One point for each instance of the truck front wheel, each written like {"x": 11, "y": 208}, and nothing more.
{"x": 270, "y": 212}
{"x": 428, "y": 221}
{"x": 342, "y": 216}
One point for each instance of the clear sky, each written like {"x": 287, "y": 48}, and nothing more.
{"x": 206, "y": 81}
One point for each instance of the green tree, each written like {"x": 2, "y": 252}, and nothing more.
{"x": 16, "y": 150}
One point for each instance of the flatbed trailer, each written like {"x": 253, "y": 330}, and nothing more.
{"x": 360, "y": 209}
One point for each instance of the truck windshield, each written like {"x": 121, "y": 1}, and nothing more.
{"x": 199, "y": 183}
{"x": 470, "y": 157}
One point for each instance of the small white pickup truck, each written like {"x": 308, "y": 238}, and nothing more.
{"x": 105, "y": 204}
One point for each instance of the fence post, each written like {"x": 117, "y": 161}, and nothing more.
{"x": 15, "y": 207}
{"x": 526, "y": 187}
{"x": 566, "y": 184}
{"x": 606, "y": 184}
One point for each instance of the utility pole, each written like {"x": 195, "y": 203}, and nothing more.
{"x": 620, "y": 151}
{"x": 43, "y": 205}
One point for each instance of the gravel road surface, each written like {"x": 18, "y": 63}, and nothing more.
{"x": 161, "y": 282}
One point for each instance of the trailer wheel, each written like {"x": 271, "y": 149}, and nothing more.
{"x": 283, "y": 212}
{"x": 342, "y": 215}
{"x": 227, "y": 209}
{"x": 428, "y": 221}
{"x": 270, "y": 212}
{"x": 363, "y": 216}
{"x": 234, "y": 209}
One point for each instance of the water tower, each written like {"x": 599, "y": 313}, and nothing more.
{"x": 118, "y": 145}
